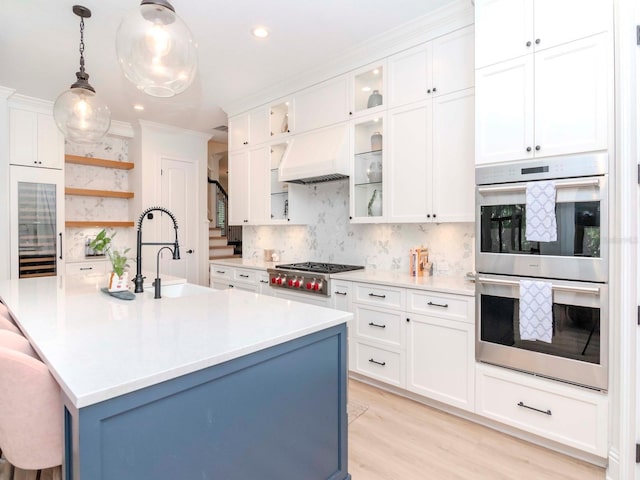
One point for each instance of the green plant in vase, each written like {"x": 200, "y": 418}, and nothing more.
{"x": 103, "y": 243}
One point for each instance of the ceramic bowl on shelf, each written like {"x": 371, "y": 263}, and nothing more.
{"x": 374, "y": 171}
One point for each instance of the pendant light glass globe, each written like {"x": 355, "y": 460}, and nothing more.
{"x": 81, "y": 116}
{"x": 156, "y": 50}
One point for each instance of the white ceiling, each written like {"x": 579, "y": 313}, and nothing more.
{"x": 39, "y": 49}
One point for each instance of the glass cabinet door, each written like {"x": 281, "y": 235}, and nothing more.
{"x": 368, "y": 88}
{"x": 367, "y": 178}
{"x": 37, "y": 219}
{"x": 279, "y": 190}
{"x": 279, "y": 116}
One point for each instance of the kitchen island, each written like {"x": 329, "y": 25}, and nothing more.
{"x": 207, "y": 384}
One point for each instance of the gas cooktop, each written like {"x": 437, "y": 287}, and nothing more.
{"x": 318, "y": 267}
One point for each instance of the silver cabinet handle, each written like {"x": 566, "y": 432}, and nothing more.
{"x": 441, "y": 305}
{"x": 521, "y": 187}
{"x": 546, "y": 412}
{"x": 376, "y": 325}
{"x": 564, "y": 288}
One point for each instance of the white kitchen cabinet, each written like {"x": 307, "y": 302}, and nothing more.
{"x": 95, "y": 267}
{"x": 341, "y": 293}
{"x": 367, "y": 179}
{"x": 507, "y": 29}
{"x": 238, "y": 131}
{"x": 551, "y": 103}
{"x": 278, "y": 191}
{"x": 249, "y": 186}
{"x": 439, "y": 67}
{"x": 430, "y": 172}
{"x": 573, "y": 416}
{"x": 222, "y": 277}
{"x": 249, "y": 129}
{"x": 281, "y": 118}
{"x": 441, "y": 348}
{"x": 322, "y": 105}
{"x": 34, "y": 139}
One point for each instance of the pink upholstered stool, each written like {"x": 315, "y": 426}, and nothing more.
{"x": 30, "y": 412}
{"x": 9, "y": 325}
{"x": 16, "y": 342}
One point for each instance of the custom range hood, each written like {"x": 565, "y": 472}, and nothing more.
{"x": 317, "y": 156}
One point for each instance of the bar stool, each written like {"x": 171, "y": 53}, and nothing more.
{"x": 16, "y": 342}
{"x": 4, "y": 312}
{"x": 9, "y": 325}
{"x": 30, "y": 412}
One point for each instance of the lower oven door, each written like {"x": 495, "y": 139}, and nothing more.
{"x": 578, "y": 350}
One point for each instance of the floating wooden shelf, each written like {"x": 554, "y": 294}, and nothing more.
{"x": 98, "y": 162}
{"x": 97, "y": 193}
{"x": 90, "y": 223}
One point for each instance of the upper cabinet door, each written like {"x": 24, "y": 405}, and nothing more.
{"x": 453, "y": 62}
{"x": 409, "y": 75}
{"x": 368, "y": 89}
{"x": 571, "y": 97}
{"x": 50, "y": 143}
{"x": 557, "y": 22}
{"x": 322, "y": 105}
{"x": 504, "y": 111}
{"x": 34, "y": 140}
{"x": 239, "y": 185}
{"x": 239, "y": 131}
{"x": 503, "y": 30}
{"x": 259, "y": 125}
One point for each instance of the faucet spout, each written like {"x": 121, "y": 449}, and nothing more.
{"x": 148, "y": 213}
{"x": 157, "y": 282}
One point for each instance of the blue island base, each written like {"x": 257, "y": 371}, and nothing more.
{"x": 279, "y": 414}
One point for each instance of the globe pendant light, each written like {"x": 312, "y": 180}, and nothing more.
{"x": 79, "y": 112}
{"x": 156, "y": 50}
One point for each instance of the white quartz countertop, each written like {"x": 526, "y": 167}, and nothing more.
{"x": 246, "y": 263}
{"x": 455, "y": 285}
{"x": 99, "y": 347}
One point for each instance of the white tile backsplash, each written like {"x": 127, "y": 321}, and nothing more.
{"x": 329, "y": 237}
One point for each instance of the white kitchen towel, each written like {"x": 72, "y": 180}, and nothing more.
{"x": 541, "y": 212}
{"x": 536, "y": 307}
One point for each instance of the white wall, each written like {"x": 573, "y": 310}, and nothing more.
{"x": 329, "y": 237}
{"x": 5, "y": 247}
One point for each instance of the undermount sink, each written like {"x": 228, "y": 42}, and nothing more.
{"x": 180, "y": 290}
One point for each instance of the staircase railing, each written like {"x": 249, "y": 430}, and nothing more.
{"x": 220, "y": 214}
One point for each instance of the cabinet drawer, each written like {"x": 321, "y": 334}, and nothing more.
{"x": 380, "y": 325}
{"x": 381, "y": 364}
{"x": 570, "y": 415}
{"x": 442, "y": 305}
{"x": 370, "y": 294}
{"x": 244, "y": 275}
{"x": 220, "y": 271}
{"x": 86, "y": 268}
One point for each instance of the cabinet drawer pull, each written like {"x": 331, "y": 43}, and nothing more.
{"x": 371, "y": 360}
{"x": 340, "y": 293}
{"x": 243, "y": 275}
{"x": 231, "y": 286}
{"x": 264, "y": 281}
{"x": 376, "y": 325}
{"x": 86, "y": 268}
{"x": 377, "y": 296}
{"x": 221, "y": 272}
{"x": 441, "y": 305}
{"x": 546, "y": 412}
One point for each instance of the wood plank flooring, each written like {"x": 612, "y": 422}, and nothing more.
{"x": 399, "y": 439}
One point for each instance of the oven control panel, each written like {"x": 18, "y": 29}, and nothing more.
{"x": 301, "y": 282}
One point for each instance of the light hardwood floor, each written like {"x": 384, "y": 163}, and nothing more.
{"x": 399, "y": 439}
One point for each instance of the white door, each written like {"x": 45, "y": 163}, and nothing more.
{"x": 504, "y": 111}
{"x": 571, "y": 97}
{"x": 179, "y": 194}
{"x": 453, "y": 157}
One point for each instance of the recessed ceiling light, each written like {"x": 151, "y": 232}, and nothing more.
{"x": 138, "y": 107}
{"x": 260, "y": 32}
{"x": 366, "y": 89}
{"x": 376, "y": 71}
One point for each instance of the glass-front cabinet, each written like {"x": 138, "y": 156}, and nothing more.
{"x": 368, "y": 89}
{"x": 279, "y": 191}
{"x": 367, "y": 177}
{"x": 37, "y": 222}
{"x": 279, "y": 118}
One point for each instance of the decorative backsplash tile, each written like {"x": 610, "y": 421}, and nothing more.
{"x": 110, "y": 148}
{"x": 329, "y": 237}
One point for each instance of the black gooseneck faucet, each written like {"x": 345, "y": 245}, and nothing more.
{"x": 139, "y": 279}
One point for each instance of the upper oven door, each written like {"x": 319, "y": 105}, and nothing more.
{"x": 578, "y": 254}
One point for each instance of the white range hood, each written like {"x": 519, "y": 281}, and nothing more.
{"x": 317, "y": 156}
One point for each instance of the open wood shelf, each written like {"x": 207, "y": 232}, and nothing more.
{"x": 98, "y": 162}
{"x": 96, "y": 193}
{"x": 92, "y": 223}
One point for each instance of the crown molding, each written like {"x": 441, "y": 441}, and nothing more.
{"x": 453, "y": 16}
{"x": 6, "y": 92}
{"x": 121, "y": 129}
{"x": 147, "y": 125}
{"x": 31, "y": 103}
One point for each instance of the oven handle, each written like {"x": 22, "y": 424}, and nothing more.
{"x": 564, "y": 288}
{"x": 521, "y": 187}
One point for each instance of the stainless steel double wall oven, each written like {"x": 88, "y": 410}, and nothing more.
{"x": 576, "y": 265}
